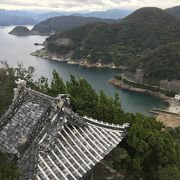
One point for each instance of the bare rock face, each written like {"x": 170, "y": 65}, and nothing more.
{"x": 63, "y": 41}
{"x": 138, "y": 76}
{"x": 20, "y": 31}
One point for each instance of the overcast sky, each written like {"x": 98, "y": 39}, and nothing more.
{"x": 84, "y": 5}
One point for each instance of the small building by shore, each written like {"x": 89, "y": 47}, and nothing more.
{"x": 177, "y": 97}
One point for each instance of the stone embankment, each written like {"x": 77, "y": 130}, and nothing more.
{"x": 121, "y": 84}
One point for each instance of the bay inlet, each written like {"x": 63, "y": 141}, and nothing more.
{"x": 16, "y": 49}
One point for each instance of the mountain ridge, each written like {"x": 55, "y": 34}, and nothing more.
{"x": 174, "y": 11}
{"x": 13, "y": 18}
{"x": 34, "y": 17}
{"x": 61, "y": 23}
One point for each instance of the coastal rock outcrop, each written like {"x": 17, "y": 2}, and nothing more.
{"x": 20, "y": 31}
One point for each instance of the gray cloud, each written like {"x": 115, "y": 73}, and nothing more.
{"x": 85, "y": 5}
{"x": 20, "y": 2}
{"x": 75, "y": 3}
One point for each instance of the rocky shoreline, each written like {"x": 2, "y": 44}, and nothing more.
{"x": 82, "y": 62}
{"x": 121, "y": 84}
{"x": 43, "y": 54}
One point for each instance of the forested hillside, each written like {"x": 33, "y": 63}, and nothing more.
{"x": 160, "y": 63}
{"x": 174, "y": 11}
{"x": 125, "y": 43}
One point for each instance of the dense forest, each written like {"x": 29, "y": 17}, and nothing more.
{"x": 61, "y": 23}
{"x": 141, "y": 36}
{"x": 162, "y": 62}
{"x": 150, "y": 151}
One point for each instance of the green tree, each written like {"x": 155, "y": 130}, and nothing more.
{"x": 7, "y": 83}
{"x": 170, "y": 172}
{"x": 57, "y": 85}
{"x": 8, "y": 168}
{"x": 42, "y": 84}
{"x": 149, "y": 146}
{"x": 83, "y": 96}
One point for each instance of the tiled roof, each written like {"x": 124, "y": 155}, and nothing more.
{"x": 51, "y": 141}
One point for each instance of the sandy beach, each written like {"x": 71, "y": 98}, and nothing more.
{"x": 170, "y": 120}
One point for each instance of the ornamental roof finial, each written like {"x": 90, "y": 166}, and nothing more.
{"x": 20, "y": 84}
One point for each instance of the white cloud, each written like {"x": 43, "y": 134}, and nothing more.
{"x": 84, "y": 5}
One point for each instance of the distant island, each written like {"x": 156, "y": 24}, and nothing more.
{"x": 20, "y": 31}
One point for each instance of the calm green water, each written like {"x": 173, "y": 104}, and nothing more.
{"x": 14, "y": 49}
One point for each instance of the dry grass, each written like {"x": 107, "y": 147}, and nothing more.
{"x": 169, "y": 120}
